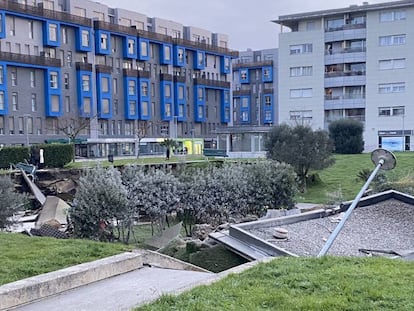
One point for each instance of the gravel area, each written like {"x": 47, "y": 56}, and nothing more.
{"x": 388, "y": 225}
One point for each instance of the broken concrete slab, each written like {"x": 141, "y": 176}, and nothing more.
{"x": 54, "y": 209}
{"x": 167, "y": 236}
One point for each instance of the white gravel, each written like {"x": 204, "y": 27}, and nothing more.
{"x": 388, "y": 225}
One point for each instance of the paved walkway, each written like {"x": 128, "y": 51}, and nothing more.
{"x": 122, "y": 292}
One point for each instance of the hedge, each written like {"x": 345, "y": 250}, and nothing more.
{"x": 55, "y": 155}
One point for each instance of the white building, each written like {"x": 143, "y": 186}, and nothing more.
{"x": 355, "y": 62}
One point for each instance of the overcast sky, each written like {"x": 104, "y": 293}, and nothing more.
{"x": 247, "y": 22}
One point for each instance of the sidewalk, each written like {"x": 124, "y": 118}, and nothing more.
{"x": 122, "y": 292}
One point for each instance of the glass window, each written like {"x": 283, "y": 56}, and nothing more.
{"x": 167, "y": 52}
{"x": 200, "y": 112}
{"x": 54, "y": 80}
{"x": 131, "y": 87}
{"x": 14, "y": 77}
{"x": 86, "y": 105}
{"x": 180, "y": 92}
{"x": 167, "y": 90}
{"x": 144, "y": 88}
{"x": 144, "y": 48}
{"x": 2, "y": 105}
{"x": 168, "y": 110}
{"x": 132, "y": 107}
{"x": 1, "y": 74}
{"x": 15, "y": 102}
{"x": 85, "y": 38}
{"x": 145, "y": 108}
{"x": 34, "y": 103}
{"x": 391, "y": 88}
{"x": 105, "y": 84}
{"x": 86, "y": 83}
{"x": 131, "y": 46}
{"x": 105, "y": 106}
{"x": 53, "y": 32}
{"x": 55, "y": 103}
{"x": 301, "y": 93}
{"x": 104, "y": 41}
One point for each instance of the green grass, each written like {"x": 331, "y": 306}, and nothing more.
{"x": 22, "y": 256}
{"x": 343, "y": 175}
{"x": 142, "y": 160}
{"x": 318, "y": 284}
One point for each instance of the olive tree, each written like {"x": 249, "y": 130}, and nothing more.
{"x": 347, "y": 136}
{"x": 100, "y": 203}
{"x": 301, "y": 147}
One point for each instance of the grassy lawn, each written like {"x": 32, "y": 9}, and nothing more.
{"x": 343, "y": 175}
{"x": 132, "y": 160}
{"x": 22, "y": 256}
{"x": 327, "y": 283}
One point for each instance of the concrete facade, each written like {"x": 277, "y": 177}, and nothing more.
{"x": 350, "y": 63}
{"x": 117, "y": 74}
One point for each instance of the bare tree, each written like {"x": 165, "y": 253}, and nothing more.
{"x": 72, "y": 128}
{"x": 141, "y": 131}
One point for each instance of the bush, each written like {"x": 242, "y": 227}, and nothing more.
{"x": 10, "y": 201}
{"x": 57, "y": 155}
{"x": 13, "y": 155}
{"x": 347, "y": 136}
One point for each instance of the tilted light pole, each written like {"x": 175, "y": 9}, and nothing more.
{"x": 383, "y": 159}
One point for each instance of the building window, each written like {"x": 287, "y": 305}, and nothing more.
{"x": 144, "y": 108}
{"x": 67, "y": 104}
{"x": 14, "y": 76}
{"x": 105, "y": 84}
{"x": 66, "y": 80}
{"x": 1, "y": 74}
{"x": 116, "y": 106}
{"x": 200, "y": 94}
{"x": 15, "y": 102}
{"x": 200, "y": 112}
{"x": 266, "y": 74}
{"x": 301, "y": 48}
{"x": 144, "y": 48}
{"x": 86, "y": 105}
{"x": 391, "y": 111}
{"x": 131, "y": 87}
{"x": 168, "y": 110}
{"x": 167, "y": 52}
{"x": 86, "y": 83}
{"x": 301, "y": 115}
{"x": 132, "y": 107}
{"x": 105, "y": 106}
{"x": 53, "y": 32}
{"x": 55, "y": 103}
{"x": 387, "y": 88}
{"x": 301, "y": 71}
{"x": 1, "y": 125}
{"x": 388, "y": 64}
{"x": 115, "y": 85}
{"x": 268, "y": 115}
{"x": 180, "y": 55}
{"x": 32, "y": 78}
{"x": 244, "y": 116}
{"x": 69, "y": 59}
{"x": 144, "y": 88}
{"x": 244, "y": 102}
{"x": 29, "y": 125}
{"x": 85, "y": 38}
{"x": 180, "y": 92}
{"x": 64, "y": 32}
{"x": 301, "y": 93}
{"x": 391, "y": 16}
{"x": 268, "y": 100}
{"x": 31, "y": 29}
{"x": 167, "y": 91}
{"x": 131, "y": 46}
{"x": 104, "y": 41}
{"x": 200, "y": 58}
{"x": 181, "y": 111}
{"x": 2, "y": 104}
{"x": 11, "y": 125}
{"x": 54, "y": 80}
{"x": 392, "y": 40}
{"x": 34, "y": 102}
{"x": 11, "y": 25}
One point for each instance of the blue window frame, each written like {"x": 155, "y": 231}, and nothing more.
{"x": 2, "y": 25}
{"x": 143, "y": 49}
{"x": 268, "y": 110}
{"x": 244, "y": 75}
{"x": 144, "y": 99}
{"x": 53, "y": 93}
{"x": 225, "y": 64}
{"x": 166, "y": 54}
{"x": 104, "y": 90}
{"x": 4, "y": 106}
{"x": 130, "y": 47}
{"x": 199, "y": 59}
{"x": 102, "y": 42}
{"x": 267, "y": 74}
{"x": 180, "y": 100}
{"x": 85, "y": 94}
{"x": 245, "y": 109}
{"x": 199, "y": 103}
{"x": 225, "y": 106}
{"x": 167, "y": 100}
{"x": 131, "y": 98}
{"x": 83, "y": 39}
{"x": 179, "y": 56}
{"x": 51, "y": 33}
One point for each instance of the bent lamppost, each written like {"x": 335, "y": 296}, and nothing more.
{"x": 383, "y": 159}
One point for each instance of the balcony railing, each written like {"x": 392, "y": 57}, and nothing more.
{"x": 114, "y": 27}
{"x": 357, "y": 117}
{"x": 181, "y": 79}
{"x": 83, "y": 66}
{"x": 165, "y": 77}
{"x": 344, "y": 74}
{"x": 41, "y": 12}
{"x": 212, "y": 83}
{"x": 30, "y": 59}
{"x": 346, "y": 27}
{"x": 253, "y": 64}
{"x": 103, "y": 68}
{"x": 268, "y": 91}
{"x": 346, "y": 96}
{"x": 241, "y": 93}
{"x": 346, "y": 50}
{"x": 206, "y": 47}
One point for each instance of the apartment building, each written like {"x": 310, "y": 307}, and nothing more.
{"x": 254, "y": 102}
{"x": 355, "y": 63}
{"x": 118, "y": 79}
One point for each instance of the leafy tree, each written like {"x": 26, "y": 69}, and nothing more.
{"x": 100, "y": 200}
{"x": 271, "y": 185}
{"x": 72, "y": 128}
{"x": 300, "y": 147}
{"x": 10, "y": 201}
{"x": 347, "y": 136}
{"x": 154, "y": 191}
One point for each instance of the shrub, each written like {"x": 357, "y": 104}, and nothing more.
{"x": 10, "y": 201}
{"x": 13, "y": 155}
{"x": 347, "y": 136}
{"x": 57, "y": 155}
